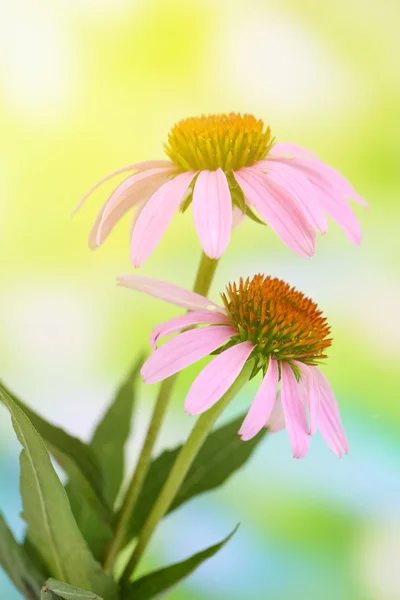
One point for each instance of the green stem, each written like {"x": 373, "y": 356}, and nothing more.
{"x": 181, "y": 466}
{"x": 202, "y": 285}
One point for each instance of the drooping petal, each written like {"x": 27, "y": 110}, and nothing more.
{"x": 139, "y": 167}
{"x": 295, "y": 412}
{"x": 169, "y": 293}
{"x": 156, "y": 216}
{"x": 263, "y": 403}
{"x": 216, "y": 378}
{"x": 134, "y": 196}
{"x": 329, "y": 421}
{"x": 212, "y": 212}
{"x": 281, "y": 213}
{"x": 276, "y": 422}
{"x": 312, "y": 163}
{"x": 184, "y": 350}
{"x": 340, "y": 211}
{"x": 200, "y": 317}
{"x": 135, "y": 185}
{"x": 298, "y": 186}
{"x": 139, "y": 207}
{"x": 333, "y": 200}
{"x": 335, "y": 179}
{"x": 312, "y": 394}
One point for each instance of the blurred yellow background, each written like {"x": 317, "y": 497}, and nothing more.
{"x": 87, "y": 87}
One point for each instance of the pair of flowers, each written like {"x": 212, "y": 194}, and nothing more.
{"x": 227, "y": 167}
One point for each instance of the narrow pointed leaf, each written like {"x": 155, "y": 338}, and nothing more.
{"x": 16, "y": 563}
{"x": 223, "y": 453}
{"x": 66, "y": 444}
{"x": 112, "y": 433}
{"x": 51, "y": 526}
{"x": 93, "y": 518}
{"x": 69, "y": 592}
{"x": 159, "y": 583}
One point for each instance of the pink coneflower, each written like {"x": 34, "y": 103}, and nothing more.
{"x": 263, "y": 320}
{"x": 217, "y": 163}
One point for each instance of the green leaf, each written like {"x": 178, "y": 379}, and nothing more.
{"x": 16, "y": 563}
{"x": 52, "y": 528}
{"x": 68, "y": 592}
{"x": 65, "y": 445}
{"x": 159, "y": 583}
{"x": 112, "y": 433}
{"x": 108, "y": 443}
{"x": 222, "y": 454}
{"x": 93, "y": 518}
{"x": 48, "y": 595}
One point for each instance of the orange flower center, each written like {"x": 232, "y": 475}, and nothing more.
{"x": 221, "y": 141}
{"x": 278, "y": 319}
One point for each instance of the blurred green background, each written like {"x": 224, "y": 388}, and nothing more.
{"x": 87, "y": 87}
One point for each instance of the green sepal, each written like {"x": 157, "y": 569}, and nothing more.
{"x": 238, "y": 200}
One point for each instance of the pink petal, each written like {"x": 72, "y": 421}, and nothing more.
{"x": 295, "y": 412}
{"x": 278, "y": 210}
{"x": 298, "y": 186}
{"x": 135, "y": 195}
{"x": 216, "y": 378}
{"x": 168, "y": 292}
{"x": 139, "y": 207}
{"x": 276, "y": 422}
{"x": 140, "y": 166}
{"x": 330, "y": 174}
{"x": 212, "y": 212}
{"x": 312, "y": 394}
{"x": 329, "y": 422}
{"x": 200, "y": 317}
{"x": 237, "y": 216}
{"x": 332, "y": 199}
{"x": 136, "y": 184}
{"x": 156, "y": 216}
{"x": 263, "y": 403}
{"x": 183, "y": 350}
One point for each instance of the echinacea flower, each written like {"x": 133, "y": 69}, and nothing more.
{"x": 219, "y": 164}
{"x": 263, "y": 320}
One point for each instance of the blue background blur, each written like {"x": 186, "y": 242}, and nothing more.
{"x": 87, "y": 87}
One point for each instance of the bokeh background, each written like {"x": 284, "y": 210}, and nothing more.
{"x": 89, "y": 86}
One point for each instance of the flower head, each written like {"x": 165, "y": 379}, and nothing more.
{"x": 263, "y": 320}
{"x": 222, "y": 165}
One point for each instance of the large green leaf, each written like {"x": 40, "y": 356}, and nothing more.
{"x": 16, "y": 563}
{"x": 108, "y": 443}
{"x": 93, "y": 518}
{"x": 159, "y": 583}
{"x": 52, "y": 528}
{"x": 65, "y": 445}
{"x": 112, "y": 433}
{"x": 68, "y": 592}
{"x": 222, "y": 454}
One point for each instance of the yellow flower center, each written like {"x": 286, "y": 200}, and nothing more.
{"x": 278, "y": 319}
{"x": 221, "y": 141}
